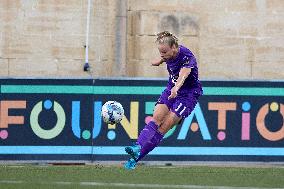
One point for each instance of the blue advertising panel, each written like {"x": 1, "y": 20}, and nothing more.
{"x": 59, "y": 119}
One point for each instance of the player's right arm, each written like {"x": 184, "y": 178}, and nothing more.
{"x": 157, "y": 62}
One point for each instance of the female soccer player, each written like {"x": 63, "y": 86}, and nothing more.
{"x": 175, "y": 103}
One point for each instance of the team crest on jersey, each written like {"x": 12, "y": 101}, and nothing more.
{"x": 185, "y": 61}
{"x": 174, "y": 78}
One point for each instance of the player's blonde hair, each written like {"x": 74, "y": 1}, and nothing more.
{"x": 167, "y": 37}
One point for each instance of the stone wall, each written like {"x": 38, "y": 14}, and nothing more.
{"x": 231, "y": 39}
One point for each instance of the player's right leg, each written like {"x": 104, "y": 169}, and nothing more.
{"x": 153, "y": 133}
{"x": 130, "y": 164}
{"x": 161, "y": 111}
{"x": 133, "y": 151}
{"x": 181, "y": 108}
{"x": 149, "y": 137}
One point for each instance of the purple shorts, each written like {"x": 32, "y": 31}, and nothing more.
{"x": 182, "y": 105}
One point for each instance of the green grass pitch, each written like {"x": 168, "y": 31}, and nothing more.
{"x": 115, "y": 176}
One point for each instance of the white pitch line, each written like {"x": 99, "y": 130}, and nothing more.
{"x": 129, "y": 185}
{"x": 11, "y": 182}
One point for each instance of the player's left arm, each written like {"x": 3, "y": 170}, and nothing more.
{"x": 183, "y": 74}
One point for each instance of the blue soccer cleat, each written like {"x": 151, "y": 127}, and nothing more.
{"x": 130, "y": 164}
{"x": 133, "y": 151}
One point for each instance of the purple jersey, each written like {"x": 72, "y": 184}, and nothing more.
{"x": 185, "y": 58}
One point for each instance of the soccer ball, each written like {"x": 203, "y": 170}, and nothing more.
{"x": 112, "y": 112}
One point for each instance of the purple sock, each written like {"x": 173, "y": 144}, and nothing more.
{"x": 147, "y": 133}
{"x": 148, "y": 139}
